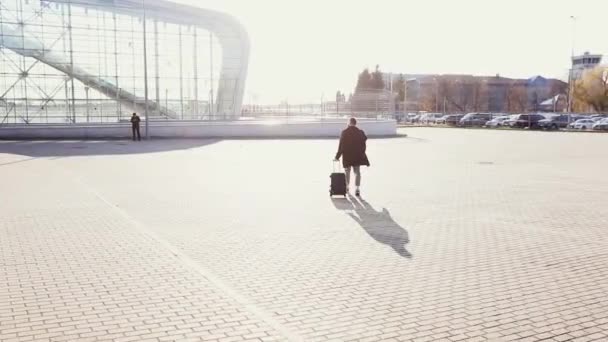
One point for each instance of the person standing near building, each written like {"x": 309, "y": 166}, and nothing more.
{"x": 135, "y": 126}
{"x": 352, "y": 148}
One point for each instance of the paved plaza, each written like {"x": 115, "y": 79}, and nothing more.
{"x": 461, "y": 235}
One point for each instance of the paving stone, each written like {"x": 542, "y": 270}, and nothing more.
{"x": 484, "y": 233}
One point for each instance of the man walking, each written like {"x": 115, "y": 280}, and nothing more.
{"x": 135, "y": 126}
{"x": 352, "y": 150}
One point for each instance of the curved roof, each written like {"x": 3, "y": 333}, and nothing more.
{"x": 232, "y": 36}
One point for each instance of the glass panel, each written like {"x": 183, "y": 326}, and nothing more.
{"x": 105, "y": 50}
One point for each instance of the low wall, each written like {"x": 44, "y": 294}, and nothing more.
{"x": 198, "y": 129}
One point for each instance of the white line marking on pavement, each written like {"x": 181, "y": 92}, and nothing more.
{"x": 248, "y": 304}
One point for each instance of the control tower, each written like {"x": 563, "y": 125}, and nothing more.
{"x": 583, "y": 62}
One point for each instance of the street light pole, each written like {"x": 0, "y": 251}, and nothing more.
{"x": 211, "y": 74}
{"x": 322, "y": 105}
{"x": 571, "y": 73}
{"x": 436, "y": 95}
{"x": 86, "y": 91}
{"x": 573, "y": 18}
{"x": 147, "y": 136}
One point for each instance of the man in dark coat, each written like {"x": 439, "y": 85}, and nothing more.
{"x": 352, "y": 150}
{"x": 135, "y": 126}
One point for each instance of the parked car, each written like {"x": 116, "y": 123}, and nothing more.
{"x": 601, "y": 125}
{"x": 412, "y": 117}
{"x": 582, "y": 124}
{"x": 530, "y": 121}
{"x": 453, "y": 119}
{"x": 597, "y": 117}
{"x": 475, "y": 119}
{"x": 429, "y": 117}
{"x": 555, "y": 122}
{"x": 441, "y": 120}
{"x": 574, "y": 117}
{"x": 401, "y": 117}
{"x": 509, "y": 122}
{"x": 498, "y": 121}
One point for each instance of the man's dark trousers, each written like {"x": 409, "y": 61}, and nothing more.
{"x": 136, "y": 131}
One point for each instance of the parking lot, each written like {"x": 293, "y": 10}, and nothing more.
{"x": 461, "y": 235}
{"x": 538, "y": 121}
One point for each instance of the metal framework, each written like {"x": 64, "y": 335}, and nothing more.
{"x": 75, "y": 61}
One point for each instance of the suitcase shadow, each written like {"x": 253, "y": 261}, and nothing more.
{"x": 379, "y": 225}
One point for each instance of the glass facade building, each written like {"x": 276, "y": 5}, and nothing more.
{"x": 97, "y": 61}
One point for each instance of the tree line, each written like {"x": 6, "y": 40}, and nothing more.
{"x": 458, "y": 94}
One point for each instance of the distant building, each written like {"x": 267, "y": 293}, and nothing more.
{"x": 463, "y": 93}
{"x": 557, "y": 103}
{"x": 584, "y": 62}
{"x": 468, "y": 93}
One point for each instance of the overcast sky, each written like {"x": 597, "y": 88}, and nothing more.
{"x": 304, "y": 48}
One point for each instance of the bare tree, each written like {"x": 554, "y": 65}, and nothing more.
{"x": 517, "y": 97}
{"x": 448, "y": 91}
{"x": 427, "y": 101}
{"x": 479, "y": 95}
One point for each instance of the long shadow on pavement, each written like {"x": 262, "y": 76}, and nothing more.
{"x": 69, "y": 148}
{"x": 380, "y": 225}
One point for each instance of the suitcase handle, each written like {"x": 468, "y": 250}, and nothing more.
{"x": 334, "y": 163}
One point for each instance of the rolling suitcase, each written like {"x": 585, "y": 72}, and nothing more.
{"x": 338, "y": 183}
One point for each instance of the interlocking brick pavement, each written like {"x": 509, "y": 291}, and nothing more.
{"x": 72, "y": 268}
{"x": 462, "y": 235}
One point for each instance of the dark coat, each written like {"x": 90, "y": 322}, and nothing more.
{"x": 352, "y": 147}
{"x": 135, "y": 121}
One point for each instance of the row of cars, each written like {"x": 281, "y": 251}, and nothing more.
{"x": 548, "y": 121}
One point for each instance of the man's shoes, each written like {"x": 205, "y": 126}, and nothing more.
{"x": 358, "y": 193}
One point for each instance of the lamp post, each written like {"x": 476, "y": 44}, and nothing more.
{"x": 573, "y": 18}
{"x": 147, "y": 136}
{"x": 86, "y": 91}
{"x": 322, "y": 105}
{"x": 436, "y": 95}
{"x": 571, "y": 73}
{"x": 118, "y": 92}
